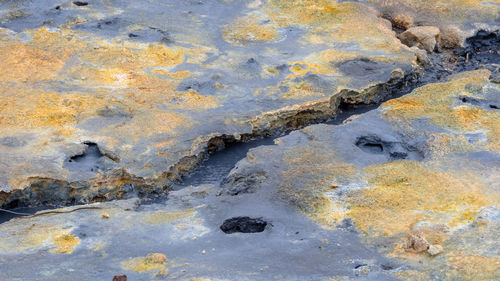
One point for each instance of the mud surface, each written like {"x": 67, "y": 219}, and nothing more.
{"x": 180, "y": 122}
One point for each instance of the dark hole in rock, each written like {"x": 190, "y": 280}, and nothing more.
{"x": 470, "y": 100}
{"x": 372, "y": 147}
{"x": 360, "y": 265}
{"x": 92, "y": 159}
{"x": 16, "y": 203}
{"x": 398, "y": 155}
{"x": 132, "y": 35}
{"x": 393, "y": 149}
{"x": 479, "y": 102}
{"x": 370, "y": 144}
{"x": 80, "y": 3}
{"x": 243, "y": 224}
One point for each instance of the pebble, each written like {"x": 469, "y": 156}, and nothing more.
{"x": 435, "y": 250}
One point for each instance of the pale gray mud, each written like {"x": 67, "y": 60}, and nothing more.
{"x": 211, "y": 179}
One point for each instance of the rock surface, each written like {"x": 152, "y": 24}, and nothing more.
{"x": 100, "y": 101}
{"x": 105, "y": 100}
{"x": 413, "y": 176}
{"x": 366, "y": 199}
{"x": 118, "y": 104}
{"x": 424, "y": 37}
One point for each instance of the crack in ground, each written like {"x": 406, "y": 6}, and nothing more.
{"x": 222, "y": 152}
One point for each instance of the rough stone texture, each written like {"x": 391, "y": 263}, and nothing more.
{"x": 343, "y": 201}
{"x": 451, "y": 37}
{"x": 403, "y": 21}
{"x": 435, "y": 250}
{"x": 102, "y": 100}
{"x": 422, "y": 57}
{"x": 424, "y": 37}
{"x": 420, "y": 171}
{"x": 467, "y": 15}
{"x": 149, "y": 88}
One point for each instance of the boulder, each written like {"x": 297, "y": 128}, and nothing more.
{"x": 416, "y": 243}
{"x": 422, "y": 57}
{"x": 451, "y": 37}
{"x": 402, "y": 21}
{"x": 424, "y": 37}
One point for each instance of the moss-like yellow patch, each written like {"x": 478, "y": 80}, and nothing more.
{"x": 310, "y": 175}
{"x": 161, "y": 217}
{"x": 193, "y": 100}
{"x": 181, "y": 74}
{"x": 27, "y": 237}
{"x": 473, "y": 267}
{"x": 305, "y": 11}
{"x": 403, "y": 193}
{"x": 19, "y": 62}
{"x": 300, "y": 68}
{"x": 35, "y": 109}
{"x": 65, "y": 244}
{"x": 440, "y": 103}
{"x": 329, "y": 21}
{"x": 248, "y": 30}
{"x": 302, "y": 90}
{"x": 413, "y": 275}
{"x": 154, "y": 261}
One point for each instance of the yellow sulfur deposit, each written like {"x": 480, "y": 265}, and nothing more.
{"x": 65, "y": 244}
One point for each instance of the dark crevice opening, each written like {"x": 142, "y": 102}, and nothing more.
{"x": 243, "y": 225}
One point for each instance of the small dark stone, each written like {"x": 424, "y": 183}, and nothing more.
{"x": 120, "y": 277}
{"x": 243, "y": 224}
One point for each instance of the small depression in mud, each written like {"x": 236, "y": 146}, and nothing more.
{"x": 392, "y": 149}
{"x": 485, "y": 104}
{"x": 243, "y": 225}
{"x": 91, "y": 160}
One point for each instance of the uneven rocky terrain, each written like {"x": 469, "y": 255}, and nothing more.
{"x": 131, "y": 116}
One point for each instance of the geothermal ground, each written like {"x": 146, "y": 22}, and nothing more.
{"x": 249, "y": 140}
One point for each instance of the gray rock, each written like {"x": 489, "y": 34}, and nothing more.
{"x": 424, "y": 37}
